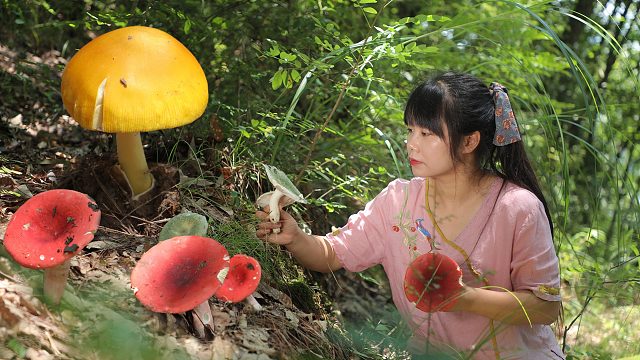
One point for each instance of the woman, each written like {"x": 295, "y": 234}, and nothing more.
{"x": 476, "y": 196}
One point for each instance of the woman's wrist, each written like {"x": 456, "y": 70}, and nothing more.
{"x": 466, "y": 299}
{"x": 295, "y": 240}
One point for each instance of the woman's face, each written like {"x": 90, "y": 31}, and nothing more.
{"x": 429, "y": 154}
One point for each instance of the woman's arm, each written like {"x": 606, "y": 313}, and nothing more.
{"x": 311, "y": 251}
{"x": 503, "y": 306}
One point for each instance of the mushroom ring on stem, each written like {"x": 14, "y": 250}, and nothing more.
{"x": 180, "y": 273}
{"x": 131, "y": 80}
{"x": 48, "y": 230}
{"x": 432, "y": 282}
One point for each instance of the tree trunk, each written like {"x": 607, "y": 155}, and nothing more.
{"x": 576, "y": 28}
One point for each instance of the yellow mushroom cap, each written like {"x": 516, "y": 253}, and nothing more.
{"x": 134, "y": 79}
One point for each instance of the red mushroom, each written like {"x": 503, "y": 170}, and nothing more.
{"x": 48, "y": 230}
{"x": 180, "y": 273}
{"x": 432, "y": 282}
{"x": 242, "y": 280}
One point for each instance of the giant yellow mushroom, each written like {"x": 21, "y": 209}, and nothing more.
{"x": 131, "y": 80}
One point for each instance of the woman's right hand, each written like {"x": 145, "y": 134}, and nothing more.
{"x": 287, "y": 228}
{"x": 311, "y": 251}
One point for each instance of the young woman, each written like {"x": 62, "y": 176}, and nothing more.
{"x": 476, "y": 195}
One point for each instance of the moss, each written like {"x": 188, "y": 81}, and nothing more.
{"x": 304, "y": 297}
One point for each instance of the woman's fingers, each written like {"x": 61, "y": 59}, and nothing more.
{"x": 266, "y": 227}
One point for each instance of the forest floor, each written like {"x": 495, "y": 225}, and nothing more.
{"x": 99, "y": 317}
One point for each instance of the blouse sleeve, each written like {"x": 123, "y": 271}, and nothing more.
{"x": 534, "y": 264}
{"x": 359, "y": 244}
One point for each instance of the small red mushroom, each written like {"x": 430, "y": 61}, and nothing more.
{"x": 48, "y": 230}
{"x": 242, "y": 280}
{"x": 432, "y": 282}
{"x": 180, "y": 273}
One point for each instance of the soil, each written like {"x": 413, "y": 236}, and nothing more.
{"x": 99, "y": 318}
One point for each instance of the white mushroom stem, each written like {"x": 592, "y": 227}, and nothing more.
{"x": 202, "y": 317}
{"x": 274, "y": 206}
{"x": 55, "y": 280}
{"x": 251, "y": 300}
{"x": 133, "y": 162}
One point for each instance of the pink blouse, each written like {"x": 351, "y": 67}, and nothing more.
{"x": 508, "y": 242}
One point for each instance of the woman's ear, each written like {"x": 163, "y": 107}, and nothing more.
{"x": 470, "y": 142}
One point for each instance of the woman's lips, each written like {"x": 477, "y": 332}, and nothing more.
{"x": 414, "y": 162}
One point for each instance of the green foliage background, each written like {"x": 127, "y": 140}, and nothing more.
{"x": 317, "y": 89}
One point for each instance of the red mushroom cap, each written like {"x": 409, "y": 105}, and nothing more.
{"x": 180, "y": 273}
{"x": 51, "y": 228}
{"x": 431, "y": 282}
{"x": 242, "y": 280}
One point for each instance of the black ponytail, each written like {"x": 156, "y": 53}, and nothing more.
{"x": 512, "y": 163}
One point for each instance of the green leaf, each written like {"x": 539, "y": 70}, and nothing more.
{"x": 295, "y": 75}
{"x": 370, "y": 10}
{"x": 16, "y": 346}
{"x": 277, "y": 79}
{"x": 187, "y": 26}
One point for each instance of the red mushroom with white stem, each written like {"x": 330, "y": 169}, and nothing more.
{"x": 179, "y": 274}
{"x": 48, "y": 230}
{"x": 191, "y": 224}
{"x": 243, "y": 279}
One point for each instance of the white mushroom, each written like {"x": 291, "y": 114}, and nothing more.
{"x": 283, "y": 188}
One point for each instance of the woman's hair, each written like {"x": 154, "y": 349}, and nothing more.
{"x": 464, "y": 104}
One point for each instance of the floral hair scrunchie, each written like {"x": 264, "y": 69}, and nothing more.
{"x": 506, "y": 127}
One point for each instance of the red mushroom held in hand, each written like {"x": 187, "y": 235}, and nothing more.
{"x": 432, "y": 281}
{"x": 180, "y": 273}
{"x": 242, "y": 280}
{"x": 48, "y": 230}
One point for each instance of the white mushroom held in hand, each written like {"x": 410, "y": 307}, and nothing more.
{"x": 283, "y": 188}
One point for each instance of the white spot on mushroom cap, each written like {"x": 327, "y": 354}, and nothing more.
{"x": 26, "y": 226}
{"x": 222, "y": 274}
{"x": 97, "y": 110}
{"x": 42, "y": 257}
